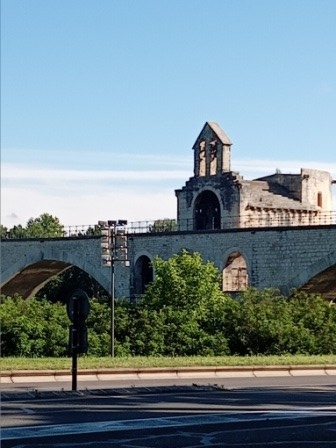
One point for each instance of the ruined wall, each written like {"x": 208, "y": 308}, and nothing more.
{"x": 281, "y": 258}
{"x": 316, "y": 189}
{"x": 275, "y": 258}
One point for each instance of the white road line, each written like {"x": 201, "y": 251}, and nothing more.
{"x": 28, "y": 411}
{"x": 26, "y": 432}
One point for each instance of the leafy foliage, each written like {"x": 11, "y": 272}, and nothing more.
{"x": 183, "y": 313}
{"x": 182, "y": 282}
{"x": 269, "y": 323}
{"x": 98, "y": 323}
{"x": 3, "y": 231}
{"x": 15, "y": 232}
{"x": 164, "y": 225}
{"x": 184, "y": 293}
{"x": 59, "y": 288}
{"x": 32, "y": 328}
{"x": 45, "y": 226}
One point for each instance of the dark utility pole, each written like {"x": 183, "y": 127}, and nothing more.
{"x": 113, "y": 248}
{"x": 78, "y": 307}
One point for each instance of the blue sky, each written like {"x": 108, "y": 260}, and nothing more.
{"x": 101, "y": 101}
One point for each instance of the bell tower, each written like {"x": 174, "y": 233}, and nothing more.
{"x": 212, "y": 151}
{"x": 211, "y": 196}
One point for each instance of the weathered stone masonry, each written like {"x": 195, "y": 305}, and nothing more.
{"x": 283, "y": 258}
{"x": 273, "y": 232}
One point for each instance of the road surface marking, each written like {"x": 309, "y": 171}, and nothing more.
{"x": 26, "y": 432}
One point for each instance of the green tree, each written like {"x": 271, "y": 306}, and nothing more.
{"x": 257, "y": 323}
{"x": 98, "y": 323}
{"x": 39, "y": 328}
{"x": 266, "y": 322}
{"x": 184, "y": 292}
{"x": 33, "y": 328}
{"x": 313, "y": 324}
{"x": 17, "y": 232}
{"x": 164, "y": 225}
{"x": 45, "y": 226}
{"x": 183, "y": 282}
{"x": 138, "y": 330}
{"x": 59, "y": 288}
{"x": 93, "y": 231}
{"x": 3, "y": 231}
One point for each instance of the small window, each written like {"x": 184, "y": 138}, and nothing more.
{"x": 319, "y": 199}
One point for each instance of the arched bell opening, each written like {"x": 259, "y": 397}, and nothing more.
{"x": 207, "y": 212}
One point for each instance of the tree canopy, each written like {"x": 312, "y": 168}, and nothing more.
{"x": 182, "y": 313}
{"x": 185, "y": 297}
{"x": 59, "y": 288}
{"x": 45, "y": 226}
{"x": 164, "y": 225}
{"x": 183, "y": 281}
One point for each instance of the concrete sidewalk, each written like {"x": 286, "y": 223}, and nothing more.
{"x": 26, "y": 376}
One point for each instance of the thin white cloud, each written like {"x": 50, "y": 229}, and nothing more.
{"x": 17, "y": 172}
{"x": 258, "y": 167}
{"x": 26, "y": 173}
{"x": 85, "y": 196}
{"x": 115, "y": 160}
{"x": 87, "y": 208}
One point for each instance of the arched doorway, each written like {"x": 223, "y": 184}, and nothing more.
{"x": 207, "y": 212}
{"x": 235, "y": 276}
{"x": 143, "y": 274}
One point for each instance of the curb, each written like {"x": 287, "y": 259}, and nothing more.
{"x": 27, "y": 376}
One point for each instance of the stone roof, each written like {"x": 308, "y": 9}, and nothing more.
{"x": 261, "y": 197}
{"x": 218, "y": 131}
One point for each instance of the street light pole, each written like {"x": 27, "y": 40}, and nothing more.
{"x": 109, "y": 247}
{"x": 112, "y": 303}
{"x": 112, "y": 247}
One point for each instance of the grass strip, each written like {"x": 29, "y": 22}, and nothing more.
{"x": 90, "y": 362}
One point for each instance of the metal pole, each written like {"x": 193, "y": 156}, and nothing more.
{"x": 112, "y": 306}
{"x": 112, "y": 248}
{"x": 75, "y": 330}
{"x": 74, "y": 369}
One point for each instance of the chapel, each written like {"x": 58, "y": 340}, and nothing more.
{"x": 216, "y": 197}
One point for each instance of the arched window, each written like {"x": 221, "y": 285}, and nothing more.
{"x": 207, "y": 212}
{"x": 235, "y": 276}
{"x": 143, "y": 274}
{"x": 319, "y": 199}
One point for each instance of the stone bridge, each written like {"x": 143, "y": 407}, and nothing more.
{"x": 282, "y": 257}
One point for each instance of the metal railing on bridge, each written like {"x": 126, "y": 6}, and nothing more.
{"x": 265, "y": 220}
{"x": 234, "y": 222}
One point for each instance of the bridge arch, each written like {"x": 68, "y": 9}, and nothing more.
{"x": 49, "y": 262}
{"x": 320, "y": 277}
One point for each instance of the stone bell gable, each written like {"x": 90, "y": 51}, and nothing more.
{"x": 218, "y": 198}
{"x": 212, "y": 151}
{"x": 211, "y": 196}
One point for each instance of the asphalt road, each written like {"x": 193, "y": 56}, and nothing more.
{"x": 251, "y": 412}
